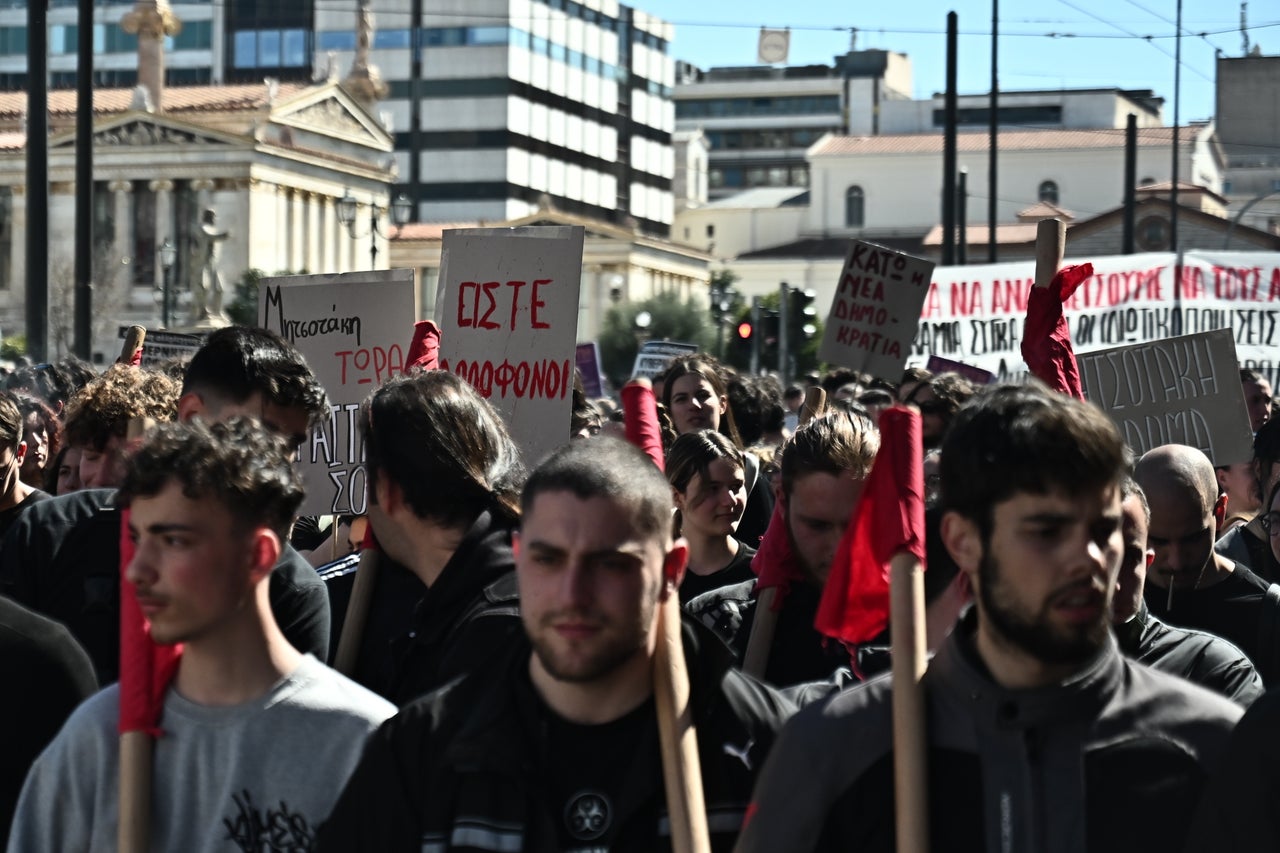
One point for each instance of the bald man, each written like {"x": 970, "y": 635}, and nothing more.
{"x": 1188, "y": 583}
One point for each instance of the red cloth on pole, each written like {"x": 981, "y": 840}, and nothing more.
{"x": 424, "y": 349}
{"x": 775, "y": 564}
{"x": 1046, "y": 340}
{"x": 146, "y": 668}
{"x": 888, "y": 520}
{"x": 640, "y": 413}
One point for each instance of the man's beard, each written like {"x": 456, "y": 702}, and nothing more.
{"x": 609, "y": 652}
{"x": 1035, "y": 634}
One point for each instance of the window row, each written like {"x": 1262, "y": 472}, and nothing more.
{"x": 271, "y": 49}
{"x": 107, "y": 38}
{"x": 779, "y": 106}
{"x": 729, "y": 140}
{"x": 747, "y": 177}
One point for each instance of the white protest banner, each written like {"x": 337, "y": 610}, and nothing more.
{"x": 873, "y": 315}
{"x": 353, "y": 329}
{"x": 1183, "y": 390}
{"x": 508, "y": 313}
{"x": 654, "y": 356}
{"x": 976, "y": 314}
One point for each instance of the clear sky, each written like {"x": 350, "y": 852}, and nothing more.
{"x": 1098, "y": 43}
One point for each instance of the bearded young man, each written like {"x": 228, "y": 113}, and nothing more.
{"x": 553, "y": 744}
{"x": 1059, "y": 741}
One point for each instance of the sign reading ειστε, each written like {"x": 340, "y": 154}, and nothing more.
{"x": 507, "y": 307}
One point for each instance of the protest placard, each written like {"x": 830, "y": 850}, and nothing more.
{"x": 588, "y": 363}
{"x": 654, "y": 356}
{"x": 353, "y": 329}
{"x": 508, "y": 313}
{"x": 978, "y": 376}
{"x": 876, "y": 310}
{"x": 162, "y": 346}
{"x": 1183, "y": 390}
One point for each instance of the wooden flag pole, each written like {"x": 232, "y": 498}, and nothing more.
{"x": 756, "y": 658}
{"x": 681, "y": 767}
{"x": 1051, "y": 242}
{"x": 133, "y": 829}
{"x": 910, "y": 751}
{"x": 344, "y": 659}
{"x": 133, "y": 338}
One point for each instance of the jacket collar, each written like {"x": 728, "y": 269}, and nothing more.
{"x": 958, "y": 671}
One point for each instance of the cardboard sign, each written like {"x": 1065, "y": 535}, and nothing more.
{"x": 159, "y": 347}
{"x": 876, "y": 310}
{"x": 588, "y": 363}
{"x": 976, "y": 375}
{"x": 508, "y": 313}
{"x": 353, "y": 329}
{"x": 1183, "y": 390}
{"x": 654, "y": 356}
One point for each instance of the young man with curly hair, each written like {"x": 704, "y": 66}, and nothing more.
{"x": 258, "y": 737}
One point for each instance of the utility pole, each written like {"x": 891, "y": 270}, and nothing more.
{"x": 784, "y": 338}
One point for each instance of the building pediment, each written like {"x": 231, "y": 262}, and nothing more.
{"x": 329, "y": 110}
{"x": 142, "y": 129}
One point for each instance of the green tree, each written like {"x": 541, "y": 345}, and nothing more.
{"x": 13, "y": 346}
{"x": 243, "y": 309}
{"x": 670, "y": 318}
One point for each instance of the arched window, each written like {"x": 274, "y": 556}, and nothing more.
{"x": 1049, "y": 192}
{"x": 854, "y": 207}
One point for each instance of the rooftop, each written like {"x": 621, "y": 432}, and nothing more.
{"x": 1010, "y": 140}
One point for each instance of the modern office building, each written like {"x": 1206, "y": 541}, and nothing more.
{"x": 1249, "y": 126}
{"x": 503, "y": 101}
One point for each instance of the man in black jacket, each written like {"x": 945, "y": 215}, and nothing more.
{"x": 444, "y": 484}
{"x": 64, "y": 559}
{"x": 1200, "y": 657}
{"x": 553, "y": 745}
{"x": 1056, "y": 740}
{"x": 1190, "y": 584}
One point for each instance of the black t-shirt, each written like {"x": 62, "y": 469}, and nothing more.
{"x": 1232, "y": 608}
{"x": 10, "y": 515}
{"x": 599, "y": 778}
{"x": 736, "y": 570}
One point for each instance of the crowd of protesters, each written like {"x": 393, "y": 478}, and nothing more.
{"x": 1103, "y": 628}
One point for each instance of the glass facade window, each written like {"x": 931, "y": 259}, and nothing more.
{"x": 268, "y": 48}
{"x": 780, "y": 106}
{"x": 336, "y": 40}
{"x": 294, "y": 48}
{"x": 1048, "y": 192}
{"x": 245, "y": 49}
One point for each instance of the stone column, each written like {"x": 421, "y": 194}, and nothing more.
{"x": 123, "y": 242}
{"x": 297, "y": 232}
{"x": 18, "y": 255}
{"x": 163, "y": 188}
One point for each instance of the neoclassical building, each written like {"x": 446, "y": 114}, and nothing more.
{"x": 276, "y": 163}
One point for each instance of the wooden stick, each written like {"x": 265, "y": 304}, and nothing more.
{"x": 133, "y": 832}
{"x": 344, "y": 659}
{"x": 910, "y": 762}
{"x": 760, "y": 643}
{"x": 681, "y": 767}
{"x": 1051, "y": 241}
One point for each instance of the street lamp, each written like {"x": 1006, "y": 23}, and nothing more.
{"x": 168, "y": 254}
{"x": 348, "y": 207}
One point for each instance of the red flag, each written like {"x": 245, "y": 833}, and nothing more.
{"x": 775, "y": 564}
{"x": 640, "y": 412}
{"x": 146, "y": 668}
{"x": 888, "y": 520}
{"x": 1046, "y": 341}
{"x": 424, "y": 349}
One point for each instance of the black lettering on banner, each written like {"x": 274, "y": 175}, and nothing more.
{"x": 291, "y": 329}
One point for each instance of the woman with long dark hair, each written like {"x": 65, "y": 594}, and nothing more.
{"x": 695, "y": 395}
{"x": 706, "y": 475}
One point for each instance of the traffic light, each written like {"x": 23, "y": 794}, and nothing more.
{"x": 745, "y": 330}
{"x": 802, "y": 316}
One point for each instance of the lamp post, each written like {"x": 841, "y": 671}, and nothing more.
{"x": 348, "y": 207}
{"x": 168, "y": 254}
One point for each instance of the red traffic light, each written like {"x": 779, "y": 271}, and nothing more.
{"x": 744, "y": 330}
